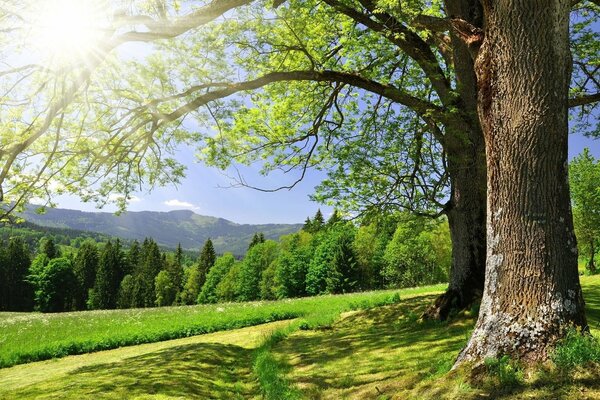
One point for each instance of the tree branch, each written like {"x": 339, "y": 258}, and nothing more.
{"x": 584, "y": 99}
{"x": 393, "y": 93}
{"x": 407, "y": 40}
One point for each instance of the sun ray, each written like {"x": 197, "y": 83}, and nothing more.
{"x": 67, "y": 31}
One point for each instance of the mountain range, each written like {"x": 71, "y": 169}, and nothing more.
{"x": 168, "y": 229}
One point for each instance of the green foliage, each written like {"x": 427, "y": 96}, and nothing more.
{"x": 576, "y": 349}
{"x": 54, "y": 288}
{"x": 126, "y": 297}
{"x": 419, "y": 253}
{"x": 49, "y": 248}
{"x": 191, "y": 288}
{"x": 256, "y": 261}
{"x": 16, "y": 292}
{"x": 108, "y": 277}
{"x": 151, "y": 263}
{"x": 267, "y": 285}
{"x": 85, "y": 266}
{"x": 257, "y": 238}
{"x": 584, "y": 174}
{"x": 333, "y": 269}
{"x": 291, "y": 266}
{"x": 369, "y": 247}
{"x": 206, "y": 261}
{"x": 315, "y": 224}
{"x": 223, "y": 264}
{"x": 175, "y": 268}
{"x": 228, "y": 288}
{"x": 165, "y": 289}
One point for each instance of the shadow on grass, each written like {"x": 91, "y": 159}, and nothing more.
{"x": 591, "y": 295}
{"x": 203, "y": 371}
{"x": 370, "y": 353}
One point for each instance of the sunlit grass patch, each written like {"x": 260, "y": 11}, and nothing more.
{"x": 33, "y": 336}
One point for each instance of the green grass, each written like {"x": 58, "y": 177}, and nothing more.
{"x": 33, "y": 336}
{"x": 211, "y": 366}
{"x": 386, "y": 353}
{"x": 379, "y": 353}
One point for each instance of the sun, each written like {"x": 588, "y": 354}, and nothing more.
{"x": 67, "y": 30}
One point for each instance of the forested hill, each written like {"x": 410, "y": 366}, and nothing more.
{"x": 167, "y": 228}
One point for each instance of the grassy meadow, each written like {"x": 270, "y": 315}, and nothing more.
{"x": 337, "y": 347}
{"x": 26, "y": 337}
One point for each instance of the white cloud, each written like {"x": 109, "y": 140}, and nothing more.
{"x": 180, "y": 204}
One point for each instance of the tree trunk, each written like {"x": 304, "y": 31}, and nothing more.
{"x": 532, "y": 291}
{"x": 467, "y": 170}
{"x": 466, "y": 220}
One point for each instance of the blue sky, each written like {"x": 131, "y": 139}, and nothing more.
{"x": 206, "y": 191}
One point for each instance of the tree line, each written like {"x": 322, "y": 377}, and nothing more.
{"x": 333, "y": 256}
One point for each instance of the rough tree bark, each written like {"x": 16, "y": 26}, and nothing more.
{"x": 532, "y": 291}
{"x": 467, "y": 171}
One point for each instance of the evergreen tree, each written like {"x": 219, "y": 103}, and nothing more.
{"x": 108, "y": 277}
{"x": 334, "y": 219}
{"x": 49, "y": 248}
{"x": 16, "y": 292}
{"x": 85, "y": 265}
{"x": 191, "y": 288}
{"x": 307, "y": 225}
{"x": 344, "y": 274}
{"x": 205, "y": 262}
{"x": 150, "y": 265}
{"x": 318, "y": 221}
{"x": 20, "y": 297}
{"x": 134, "y": 256}
{"x": 175, "y": 269}
{"x": 258, "y": 238}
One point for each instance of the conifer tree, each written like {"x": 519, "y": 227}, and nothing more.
{"x": 49, "y": 248}
{"x": 175, "y": 269}
{"x": 258, "y": 238}
{"x": 307, "y": 225}
{"x": 205, "y": 262}
{"x": 85, "y": 266}
{"x": 334, "y": 219}
{"x": 318, "y": 221}
{"x": 108, "y": 277}
{"x": 20, "y": 291}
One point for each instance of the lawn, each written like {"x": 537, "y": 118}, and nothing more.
{"x": 369, "y": 353}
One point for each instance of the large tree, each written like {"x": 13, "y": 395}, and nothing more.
{"x": 532, "y": 292}
{"x": 386, "y": 90}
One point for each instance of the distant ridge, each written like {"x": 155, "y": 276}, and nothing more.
{"x": 167, "y": 228}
